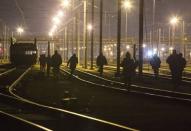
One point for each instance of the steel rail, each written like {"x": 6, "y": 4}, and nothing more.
{"x": 137, "y": 86}
{"x": 73, "y": 114}
{"x": 37, "y": 126}
{"x": 7, "y": 72}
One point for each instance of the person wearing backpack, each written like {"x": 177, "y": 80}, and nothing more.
{"x": 129, "y": 66}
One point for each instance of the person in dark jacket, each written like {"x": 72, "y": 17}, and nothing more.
{"x": 182, "y": 65}
{"x": 176, "y": 64}
{"x": 155, "y": 63}
{"x": 129, "y": 66}
{"x": 56, "y": 61}
{"x": 73, "y": 61}
{"x": 48, "y": 61}
{"x": 100, "y": 62}
{"x": 42, "y": 61}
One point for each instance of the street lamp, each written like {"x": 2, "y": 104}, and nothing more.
{"x": 89, "y": 27}
{"x": 65, "y": 3}
{"x": 127, "y": 5}
{"x": 20, "y": 30}
{"x": 173, "y": 21}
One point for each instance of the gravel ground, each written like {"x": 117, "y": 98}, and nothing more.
{"x": 136, "y": 111}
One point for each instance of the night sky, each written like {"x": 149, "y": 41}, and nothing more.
{"x": 38, "y": 13}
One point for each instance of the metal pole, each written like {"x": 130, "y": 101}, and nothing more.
{"x": 118, "y": 38}
{"x": 153, "y": 27}
{"x": 48, "y": 48}
{"x": 101, "y": 25}
{"x": 141, "y": 13}
{"x": 79, "y": 42}
{"x": 67, "y": 43}
{"x": 183, "y": 42}
{"x": 92, "y": 35}
{"x": 85, "y": 34}
{"x": 126, "y": 26}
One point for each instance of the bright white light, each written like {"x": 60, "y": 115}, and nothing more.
{"x": 115, "y": 44}
{"x": 127, "y": 47}
{"x": 174, "y": 20}
{"x": 149, "y": 54}
{"x": 89, "y": 27}
{"x": 20, "y": 30}
{"x": 163, "y": 49}
{"x": 144, "y": 45}
{"x": 60, "y": 14}
{"x": 171, "y": 48}
{"x": 50, "y": 34}
{"x": 111, "y": 53}
{"x": 127, "y": 4}
{"x": 56, "y": 20}
{"x": 65, "y": 3}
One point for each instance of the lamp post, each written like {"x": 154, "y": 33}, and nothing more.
{"x": 118, "y": 38}
{"x": 173, "y": 21}
{"x": 20, "y": 30}
{"x": 127, "y": 6}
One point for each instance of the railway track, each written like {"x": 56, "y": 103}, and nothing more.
{"x": 35, "y": 116}
{"x": 164, "y": 74}
{"x": 138, "y": 89}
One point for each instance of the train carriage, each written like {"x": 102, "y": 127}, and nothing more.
{"x": 23, "y": 53}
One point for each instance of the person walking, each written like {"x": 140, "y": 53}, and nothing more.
{"x": 129, "y": 66}
{"x": 42, "y": 61}
{"x": 73, "y": 61}
{"x": 155, "y": 62}
{"x": 182, "y": 65}
{"x": 56, "y": 61}
{"x": 176, "y": 66}
{"x": 48, "y": 61}
{"x": 100, "y": 62}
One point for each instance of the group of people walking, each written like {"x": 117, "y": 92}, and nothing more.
{"x": 176, "y": 65}
{"x": 47, "y": 62}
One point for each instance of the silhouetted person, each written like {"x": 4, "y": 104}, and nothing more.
{"x": 42, "y": 61}
{"x": 101, "y": 61}
{"x": 48, "y": 61}
{"x": 176, "y": 66}
{"x": 182, "y": 65}
{"x": 73, "y": 61}
{"x": 129, "y": 66}
{"x": 155, "y": 63}
{"x": 56, "y": 61}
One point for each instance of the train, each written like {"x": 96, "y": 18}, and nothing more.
{"x": 23, "y": 53}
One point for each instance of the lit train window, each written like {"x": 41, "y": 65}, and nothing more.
{"x": 30, "y": 52}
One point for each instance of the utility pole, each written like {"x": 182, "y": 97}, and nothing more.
{"x": 67, "y": 43}
{"x": 85, "y": 34}
{"x": 153, "y": 24}
{"x": 141, "y": 14}
{"x": 92, "y": 35}
{"x": 101, "y": 24}
{"x": 118, "y": 38}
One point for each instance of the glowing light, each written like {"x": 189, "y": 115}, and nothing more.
{"x": 56, "y": 20}
{"x": 127, "y": 4}
{"x": 127, "y": 47}
{"x": 60, "y": 14}
{"x": 174, "y": 20}
{"x": 144, "y": 45}
{"x": 171, "y": 48}
{"x": 65, "y": 3}
{"x": 20, "y": 30}
{"x": 89, "y": 27}
{"x": 149, "y": 54}
{"x": 163, "y": 49}
{"x": 50, "y": 34}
